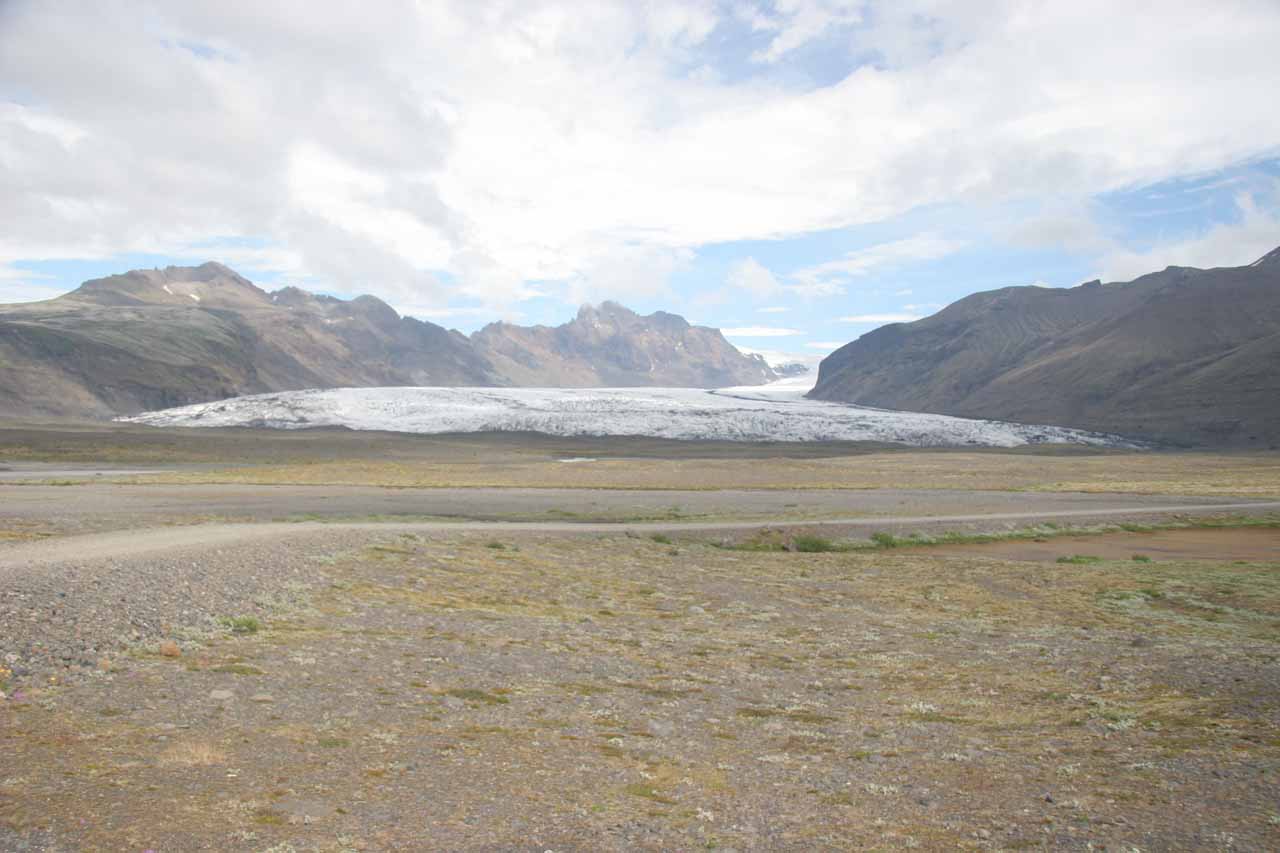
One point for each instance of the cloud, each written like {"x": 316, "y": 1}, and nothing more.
{"x": 1256, "y": 232}
{"x": 19, "y": 285}
{"x": 827, "y": 278}
{"x": 436, "y": 314}
{"x": 794, "y": 23}
{"x": 773, "y": 309}
{"x": 779, "y": 357}
{"x": 830, "y": 278}
{"x": 759, "y": 332}
{"x": 752, "y": 277}
{"x": 12, "y": 292}
{"x": 1070, "y": 226}
{"x": 485, "y": 149}
{"x": 880, "y": 318}
{"x": 826, "y": 345}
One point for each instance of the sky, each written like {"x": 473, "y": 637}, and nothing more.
{"x": 795, "y": 172}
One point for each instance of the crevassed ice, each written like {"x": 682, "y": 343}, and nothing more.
{"x": 776, "y": 412}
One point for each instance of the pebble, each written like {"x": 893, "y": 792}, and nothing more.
{"x": 660, "y": 728}
{"x": 262, "y": 697}
{"x": 221, "y": 695}
{"x": 60, "y": 620}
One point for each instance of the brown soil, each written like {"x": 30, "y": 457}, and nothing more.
{"x": 558, "y": 685}
{"x": 611, "y": 693}
{"x": 1260, "y": 544}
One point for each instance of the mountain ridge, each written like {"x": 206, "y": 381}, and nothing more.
{"x": 655, "y": 349}
{"x": 149, "y": 339}
{"x": 1184, "y": 356}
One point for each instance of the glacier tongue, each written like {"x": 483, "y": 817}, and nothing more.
{"x": 777, "y": 412}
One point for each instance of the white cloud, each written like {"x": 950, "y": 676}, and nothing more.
{"x": 826, "y": 345}
{"x": 754, "y": 278}
{"x": 22, "y": 290}
{"x": 830, "y": 278}
{"x": 12, "y": 292}
{"x": 759, "y": 332}
{"x": 773, "y": 309}
{"x": 880, "y": 318}
{"x": 19, "y": 285}
{"x": 797, "y": 22}
{"x": 1224, "y": 245}
{"x": 814, "y": 289}
{"x": 780, "y": 357}
{"x": 468, "y": 148}
{"x": 826, "y": 279}
{"x": 436, "y": 314}
{"x": 1067, "y": 225}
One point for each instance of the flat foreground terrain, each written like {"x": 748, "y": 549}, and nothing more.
{"x": 331, "y": 647}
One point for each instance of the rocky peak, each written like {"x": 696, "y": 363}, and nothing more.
{"x": 210, "y": 284}
{"x": 375, "y": 310}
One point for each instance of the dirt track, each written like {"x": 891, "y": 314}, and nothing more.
{"x": 294, "y": 502}
{"x": 132, "y": 543}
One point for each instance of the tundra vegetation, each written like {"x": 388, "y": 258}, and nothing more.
{"x": 1009, "y": 686}
{"x": 617, "y": 692}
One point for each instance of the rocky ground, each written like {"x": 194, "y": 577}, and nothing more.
{"x": 181, "y": 673}
{"x": 357, "y": 691}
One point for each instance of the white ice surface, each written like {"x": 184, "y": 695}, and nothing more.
{"x": 775, "y": 412}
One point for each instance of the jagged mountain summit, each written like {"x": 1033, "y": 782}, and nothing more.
{"x": 152, "y": 339}
{"x": 1186, "y": 356}
{"x": 611, "y": 346}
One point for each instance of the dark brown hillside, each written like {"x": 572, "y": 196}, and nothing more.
{"x": 151, "y": 339}
{"x": 1185, "y": 356}
{"x": 156, "y": 338}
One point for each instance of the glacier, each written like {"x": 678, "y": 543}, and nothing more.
{"x": 774, "y": 412}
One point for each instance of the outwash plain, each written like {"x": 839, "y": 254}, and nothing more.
{"x": 326, "y": 640}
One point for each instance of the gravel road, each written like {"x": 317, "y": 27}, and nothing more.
{"x": 135, "y": 543}
{"x": 71, "y": 603}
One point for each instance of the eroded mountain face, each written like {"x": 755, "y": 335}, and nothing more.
{"x": 152, "y": 339}
{"x": 1184, "y": 355}
{"x": 611, "y": 346}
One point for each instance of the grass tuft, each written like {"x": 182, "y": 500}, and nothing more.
{"x": 241, "y": 624}
{"x": 470, "y": 694}
{"x": 807, "y": 544}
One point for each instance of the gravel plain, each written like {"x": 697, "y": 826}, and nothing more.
{"x": 620, "y": 672}
{"x": 543, "y": 692}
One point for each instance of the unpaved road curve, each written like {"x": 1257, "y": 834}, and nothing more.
{"x": 133, "y": 543}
